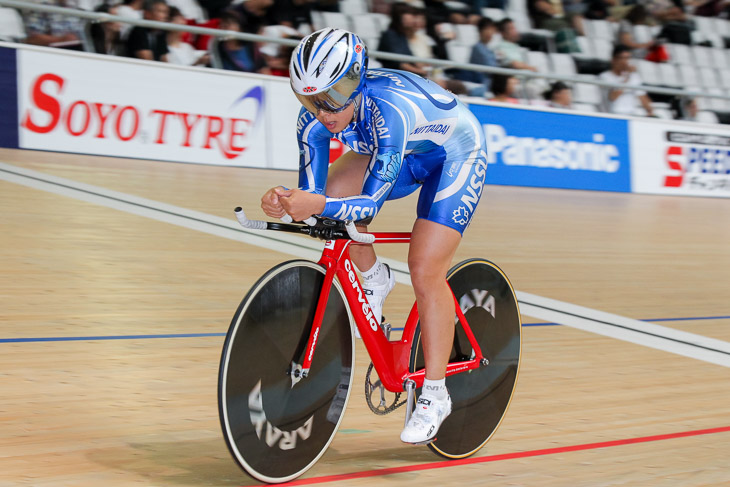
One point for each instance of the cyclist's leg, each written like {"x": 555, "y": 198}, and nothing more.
{"x": 446, "y": 205}
{"x": 429, "y": 258}
{"x": 345, "y": 178}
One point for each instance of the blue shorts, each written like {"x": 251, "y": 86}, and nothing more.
{"x": 452, "y": 176}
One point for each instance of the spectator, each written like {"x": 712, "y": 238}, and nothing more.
{"x": 470, "y": 13}
{"x": 106, "y": 36}
{"x": 181, "y": 52}
{"x": 689, "y": 109}
{"x": 215, "y": 8}
{"x": 557, "y": 15}
{"x": 420, "y": 43}
{"x": 504, "y": 88}
{"x": 235, "y": 54}
{"x": 670, "y": 13}
{"x": 296, "y": 14}
{"x": 255, "y": 15}
{"x": 625, "y": 101}
{"x": 440, "y": 11}
{"x": 599, "y": 9}
{"x": 638, "y": 15}
{"x": 51, "y": 29}
{"x": 711, "y": 8}
{"x": 145, "y": 43}
{"x": 559, "y": 96}
{"x": 131, "y": 9}
{"x": 509, "y": 53}
{"x": 134, "y": 9}
{"x": 481, "y": 54}
{"x": 396, "y": 39}
{"x": 276, "y": 56}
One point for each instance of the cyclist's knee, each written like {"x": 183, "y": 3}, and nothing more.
{"x": 425, "y": 274}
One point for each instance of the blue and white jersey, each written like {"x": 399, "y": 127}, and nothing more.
{"x": 417, "y": 134}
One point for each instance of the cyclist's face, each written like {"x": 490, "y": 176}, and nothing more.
{"x": 337, "y": 122}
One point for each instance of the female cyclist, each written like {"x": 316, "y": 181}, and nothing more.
{"x": 404, "y": 132}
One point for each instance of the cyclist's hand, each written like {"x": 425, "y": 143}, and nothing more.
{"x": 299, "y": 204}
{"x": 271, "y": 205}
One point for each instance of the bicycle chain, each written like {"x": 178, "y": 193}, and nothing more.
{"x": 380, "y": 410}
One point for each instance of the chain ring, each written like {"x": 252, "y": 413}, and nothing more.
{"x": 381, "y": 409}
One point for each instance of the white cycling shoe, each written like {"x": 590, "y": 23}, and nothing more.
{"x": 376, "y": 294}
{"x": 426, "y": 420}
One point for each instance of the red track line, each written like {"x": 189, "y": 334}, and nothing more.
{"x": 504, "y": 456}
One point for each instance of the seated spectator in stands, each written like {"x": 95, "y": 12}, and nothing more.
{"x": 599, "y": 9}
{"x": 296, "y": 14}
{"x": 559, "y": 96}
{"x": 689, "y": 109}
{"x": 666, "y": 10}
{"x": 132, "y": 9}
{"x": 481, "y": 54}
{"x": 557, "y": 15}
{"x": 710, "y": 8}
{"x": 276, "y": 56}
{"x": 440, "y": 11}
{"x": 676, "y": 27}
{"x": 638, "y": 15}
{"x": 403, "y": 27}
{"x": 235, "y": 54}
{"x": 504, "y": 88}
{"x": 181, "y": 52}
{"x": 51, "y": 29}
{"x": 420, "y": 43}
{"x": 625, "y": 101}
{"x": 255, "y": 15}
{"x": 470, "y": 13}
{"x": 509, "y": 53}
{"x": 145, "y": 43}
{"x": 215, "y": 8}
{"x": 106, "y": 36}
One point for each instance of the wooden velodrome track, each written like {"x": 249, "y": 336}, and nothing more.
{"x": 111, "y": 325}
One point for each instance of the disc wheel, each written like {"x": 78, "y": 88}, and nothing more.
{"x": 480, "y": 397}
{"x": 276, "y": 426}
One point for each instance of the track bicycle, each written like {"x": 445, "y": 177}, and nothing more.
{"x": 287, "y": 364}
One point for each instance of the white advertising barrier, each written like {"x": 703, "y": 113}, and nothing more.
{"x": 680, "y": 158}
{"x": 90, "y": 104}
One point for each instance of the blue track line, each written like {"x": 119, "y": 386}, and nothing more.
{"x": 109, "y": 337}
{"x": 205, "y": 335}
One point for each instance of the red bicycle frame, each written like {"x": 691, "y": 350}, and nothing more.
{"x": 390, "y": 358}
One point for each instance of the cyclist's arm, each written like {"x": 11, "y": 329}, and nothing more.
{"x": 384, "y": 168}
{"x": 314, "y": 153}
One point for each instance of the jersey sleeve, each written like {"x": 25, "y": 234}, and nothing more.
{"x": 390, "y": 126}
{"x": 314, "y": 153}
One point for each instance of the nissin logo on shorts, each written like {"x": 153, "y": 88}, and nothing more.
{"x": 555, "y": 150}
{"x": 555, "y": 153}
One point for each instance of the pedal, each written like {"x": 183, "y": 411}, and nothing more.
{"x": 421, "y": 443}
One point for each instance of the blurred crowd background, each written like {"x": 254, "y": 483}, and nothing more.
{"x": 682, "y": 44}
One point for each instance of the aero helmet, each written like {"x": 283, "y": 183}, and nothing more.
{"x": 327, "y": 70}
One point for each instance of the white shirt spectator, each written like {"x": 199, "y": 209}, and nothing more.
{"x": 184, "y": 54}
{"x": 628, "y": 101}
{"x": 129, "y": 12}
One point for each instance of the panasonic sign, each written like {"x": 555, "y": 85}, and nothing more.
{"x": 551, "y": 153}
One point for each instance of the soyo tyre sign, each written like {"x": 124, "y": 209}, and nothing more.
{"x": 680, "y": 158}
{"x": 555, "y": 150}
{"x": 106, "y": 107}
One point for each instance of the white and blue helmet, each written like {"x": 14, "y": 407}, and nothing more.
{"x": 327, "y": 70}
